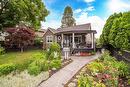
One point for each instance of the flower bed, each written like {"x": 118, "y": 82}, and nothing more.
{"x": 104, "y": 72}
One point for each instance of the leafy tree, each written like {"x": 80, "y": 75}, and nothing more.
{"x": 116, "y": 31}
{"x": 67, "y": 19}
{"x": 19, "y": 37}
{"x": 30, "y": 12}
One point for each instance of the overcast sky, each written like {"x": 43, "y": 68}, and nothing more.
{"x": 85, "y": 11}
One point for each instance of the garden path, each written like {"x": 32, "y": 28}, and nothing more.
{"x": 65, "y": 74}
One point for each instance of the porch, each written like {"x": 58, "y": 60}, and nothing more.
{"x": 80, "y": 41}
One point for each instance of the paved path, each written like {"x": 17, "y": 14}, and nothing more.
{"x": 65, "y": 74}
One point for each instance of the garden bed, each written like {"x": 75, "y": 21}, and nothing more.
{"x": 64, "y": 63}
{"x": 22, "y": 79}
{"x": 104, "y": 72}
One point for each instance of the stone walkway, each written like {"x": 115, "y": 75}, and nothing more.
{"x": 65, "y": 74}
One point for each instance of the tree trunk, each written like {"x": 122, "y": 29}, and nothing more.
{"x": 21, "y": 49}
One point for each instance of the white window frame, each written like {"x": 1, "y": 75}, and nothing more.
{"x": 49, "y": 39}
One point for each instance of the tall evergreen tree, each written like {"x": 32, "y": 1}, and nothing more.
{"x": 116, "y": 31}
{"x": 67, "y": 19}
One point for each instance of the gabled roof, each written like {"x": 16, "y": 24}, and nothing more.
{"x": 50, "y": 29}
{"x": 75, "y": 28}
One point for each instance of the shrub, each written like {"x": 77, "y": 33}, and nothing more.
{"x": 55, "y": 64}
{"x": 123, "y": 69}
{"x": 39, "y": 56}
{"x": 22, "y": 66}
{"x": 7, "y": 68}
{"x": 55, "y": 47}
{"x": 43, "y": 64}
{"x": 85, "y": 81}
{"x": 33, "y": 69}
{"x": 38, "y": 41}
{"x": 40, "y": 65}
{"x": 2, "y": 50}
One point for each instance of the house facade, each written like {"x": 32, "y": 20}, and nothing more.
{"x": 78, "y": 37}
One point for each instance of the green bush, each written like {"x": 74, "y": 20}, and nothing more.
{"x": 55, "y": 64}
{"x": 33, "y": 69}
{"x": 22, "y": 66}
{"x": 40, "y": 65}
{"x": 2, "y": 50}
{"x": 55, "y": 47}
{"x": 7, "y": 68}
{"x": 123, "y": 69}
{"x": 39, "y": 56}
{"x": 43, "y": 64}
{"x": 38, "y": 41}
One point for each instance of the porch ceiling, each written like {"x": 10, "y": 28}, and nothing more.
{"x": 76, "y": 31}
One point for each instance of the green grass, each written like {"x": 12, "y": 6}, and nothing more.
{"x": 17, "y": 57}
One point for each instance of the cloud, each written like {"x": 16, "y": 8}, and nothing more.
{"x": 97, "y": 23}
{"x": 90, "y": 8}
{"x": 77, "y": 11}
{"x": 52, "y": 23}
{"x": 88, "y": 1}
{"x": 118, "y": 6}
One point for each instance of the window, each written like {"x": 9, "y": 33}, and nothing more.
{"x": 49, "y": 39}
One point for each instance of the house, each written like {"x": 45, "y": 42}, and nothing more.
{"x": 78, "y": 37}
{"x": 40, "y": 33}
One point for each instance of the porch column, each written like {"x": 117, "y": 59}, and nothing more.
{"x": 94, "y": 45}
{"x": 62, "y": 41}
{"x": 73, "y": 42}
{"x": 92, "y": 40}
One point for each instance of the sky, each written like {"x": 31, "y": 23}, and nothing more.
{"x": 95, "y": 12}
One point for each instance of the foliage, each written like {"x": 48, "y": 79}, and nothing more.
{"x": 88, "y": 81}
{"x": 67, "y": 19}
{"x": 38, "y": 66}
{"x": 55, "y": 64}
{"x": 38, "y": 41}
{"x": 38, "y": 55}
{"x": 105, "y": 72}
{"x": 7, "y": 68}
{"x": 30, "y": 12}
{"x": 33, "y": 69}
{"x": 117, "y": 31}
{"x": 22, "y": 79}
{"x": 98, "y": 43}
{"x": 54, "y": 51}
{"x": 22, "y": 66}
{"x": 19, "y": 37}
{"x": 2, "y": 50}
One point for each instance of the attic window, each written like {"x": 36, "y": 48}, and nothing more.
{"x": 49, "y": 39}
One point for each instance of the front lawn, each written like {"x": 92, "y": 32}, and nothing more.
{"x": 21, "y": 69}
{"x": 17, "y": 57}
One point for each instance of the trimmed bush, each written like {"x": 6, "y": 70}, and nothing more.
{"x": 55, "y": 64}
{"x": 7, "y": 68}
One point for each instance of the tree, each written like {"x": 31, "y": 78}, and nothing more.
{"x": 19, "y": 37}
{"x": 116, "y": 31}
{"x": 30, "y": 12}
{"x": 67, "y": 19}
